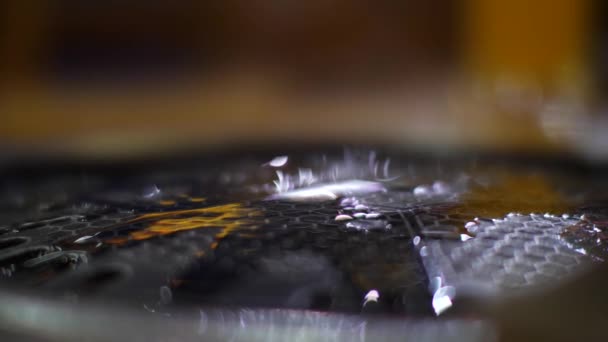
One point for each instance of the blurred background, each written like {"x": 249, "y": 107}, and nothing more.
{"x": 108, "y": 79}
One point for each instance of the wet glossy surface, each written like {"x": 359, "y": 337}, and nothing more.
{"x": 302, "y": 231}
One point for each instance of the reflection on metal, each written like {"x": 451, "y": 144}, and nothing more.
{"x": 228, "y": 217}
{"x": 328, "y": 191}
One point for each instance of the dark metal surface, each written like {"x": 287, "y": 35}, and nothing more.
{"x": 196, "y": 241}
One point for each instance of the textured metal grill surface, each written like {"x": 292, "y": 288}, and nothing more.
{"x": 162, "y": 239}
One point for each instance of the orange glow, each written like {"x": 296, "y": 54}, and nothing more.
{"x": 117, "y": 240}
{"x": 228, "y": 217}
{"x": 522, "y": 194}
{"x": 542, "y": 40}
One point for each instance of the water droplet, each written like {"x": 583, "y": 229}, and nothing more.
{"x": 366, "y": 225}
{"x": 306, "y": 177}
{"x": 361, "y": 207}
{"x": 278, "y": 161}
{"x": 346, "y": 202}
{"x": 422, "y": 190}
{"x": 151, "y": 191}
{"x": 371, "y": 296}
{"x": 343, "y": 218}
{"x": 83, "y": 239}
{"x": 387, "y": 163}
{"x": 440, "y": 187}
{"x": 372, "y": 216}
{"x": 465, "y": 237}
{"x": 416, "y": 240}
{"x": 442, "y": 299}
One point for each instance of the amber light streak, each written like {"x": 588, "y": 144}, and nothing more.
{"x": 228, "y": 217}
